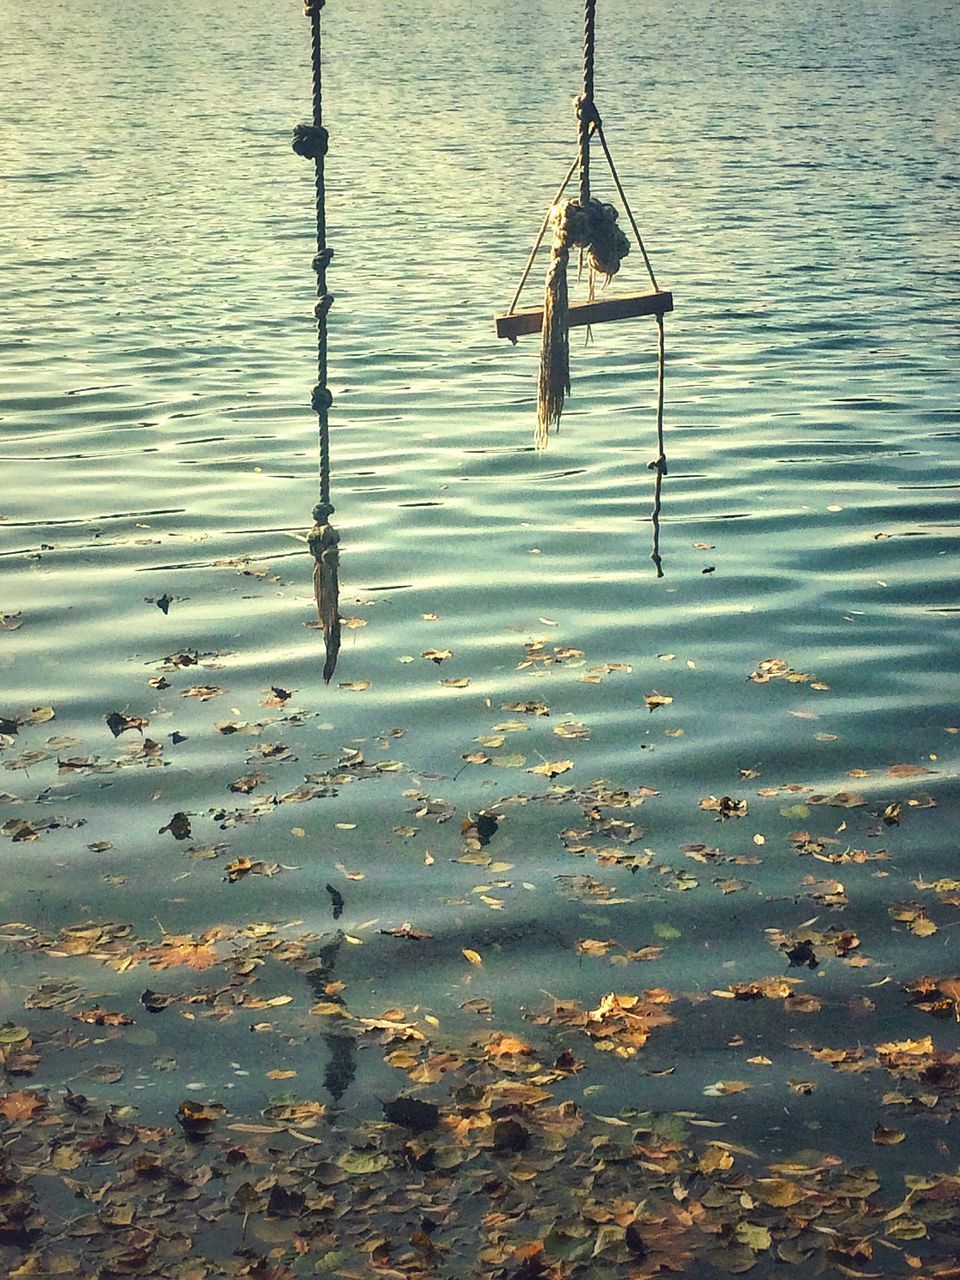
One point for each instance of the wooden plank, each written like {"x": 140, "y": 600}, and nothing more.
{"x": 624, "y": 307}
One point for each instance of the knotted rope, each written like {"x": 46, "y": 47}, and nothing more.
{"x": 310, "y": 141}
{"x": 586, "y": 224}
{"x": 592, "y": 227}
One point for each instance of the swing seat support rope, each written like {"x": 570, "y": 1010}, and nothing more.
{"x": 590, "y": 226}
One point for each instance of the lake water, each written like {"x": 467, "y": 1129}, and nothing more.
{"x": 795, "y": 171}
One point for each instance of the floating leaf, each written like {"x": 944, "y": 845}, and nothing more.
{"x": 437, "y": 655}
{"x": 885, "y": 1137}
{"x": 551, "y": 768}
{"x": 406, "y": 930}
{"x": 363, "y": 1162}
{"x": 202, "y": 692}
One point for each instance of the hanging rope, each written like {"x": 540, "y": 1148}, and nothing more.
{"x": 660, "y": 463}
{"x": 586, "y": 224}
{"x": 310, "y": 141}
{"x": 591, "y": 226}
{"x": 586, "y": 108}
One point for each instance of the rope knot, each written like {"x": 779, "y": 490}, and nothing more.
{"x": 322, "y": 260}
{"x": 310, "y": 141}
{"x": 592, "y": 227}
{"x": 322, "y": 537}
{"x": 322, "y": 512}
{"x": 320, "y": 398}
{"x": 310, "y": 7}
{"x": 586, "y": 110}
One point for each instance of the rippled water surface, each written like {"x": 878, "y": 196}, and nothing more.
{"x": 796, "y": 173}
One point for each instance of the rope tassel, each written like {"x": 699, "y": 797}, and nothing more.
{"x": 554, "y": 345}
{"x": 324, "y": 543}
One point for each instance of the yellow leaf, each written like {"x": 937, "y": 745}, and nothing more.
{"x": 550, "y": 768}
{"x": 779, "y": 1193}
{"x": 474, "y": 957}
{"x": 714, "y": 1158}
{"x": 922, "y": 927}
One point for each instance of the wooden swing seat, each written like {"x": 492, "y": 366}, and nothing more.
{"x": 518, "y": 323}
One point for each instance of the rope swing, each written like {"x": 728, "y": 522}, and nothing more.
{"x": 310, "y": 141}
{"x": 591, "y": 227}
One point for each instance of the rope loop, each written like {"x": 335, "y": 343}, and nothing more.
{"x": 310, "y": 141}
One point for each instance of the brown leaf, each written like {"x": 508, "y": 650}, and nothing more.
{"x": 101, "y": 1018}
{"x": 199, "y": 1118}
{"x": 406, "y": 930}
{"x": 22, "y": 1104}
{"x": 119, "y": 723}
{"x": 202, "y": 692}
{"x": 725, "y": 807}
{"x": 437, "y": 655}
{"x": 885, "y": 1137}
{"x": 181, "y": 950}
{"x": 249, "y": 782}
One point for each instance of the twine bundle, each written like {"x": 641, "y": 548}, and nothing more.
{"x": 591, "y": 227}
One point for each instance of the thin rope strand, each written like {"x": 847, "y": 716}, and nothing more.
{"x": 626, "y": 206}
{"x": 660, "y": 465}
{"x": 542, "y": 232}
{"x": 661, "y": 367}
